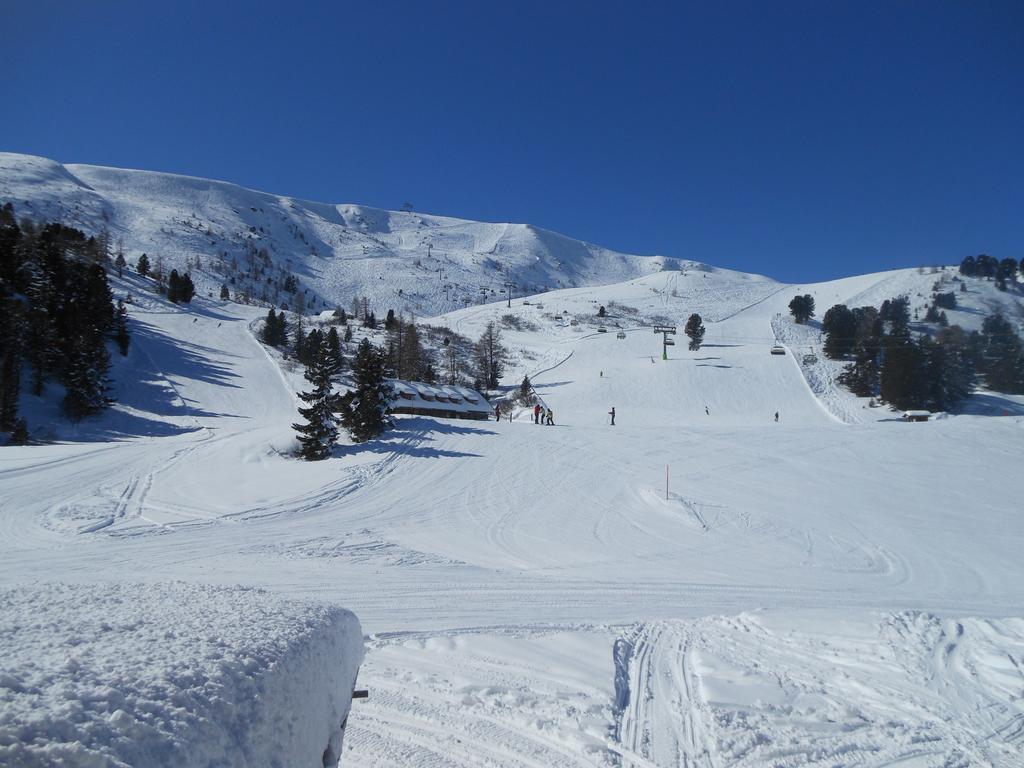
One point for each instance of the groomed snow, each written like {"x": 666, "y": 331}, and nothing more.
{"x": 794, "y": 600}
{"x": 171, "y": 674}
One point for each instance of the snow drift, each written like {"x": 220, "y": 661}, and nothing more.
{"x": 172, "y": 675}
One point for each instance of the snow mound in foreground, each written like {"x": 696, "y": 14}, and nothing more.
{"x": 172, "y": 675}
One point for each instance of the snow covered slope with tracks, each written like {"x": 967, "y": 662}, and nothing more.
{"x": 807, "y": 592}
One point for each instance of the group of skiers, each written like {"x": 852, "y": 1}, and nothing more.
{"x": 542, "y": 415}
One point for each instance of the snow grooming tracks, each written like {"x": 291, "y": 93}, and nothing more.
{"x": 493, "y": 696}
{"x": 821, "y": 689}
{"x": 660, "y": 718}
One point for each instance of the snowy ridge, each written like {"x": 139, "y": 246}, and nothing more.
{"x": 410, "y": 261}
{"x": 171, "y": 675}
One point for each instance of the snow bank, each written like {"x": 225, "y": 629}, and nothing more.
{"x": 172, "y": 675}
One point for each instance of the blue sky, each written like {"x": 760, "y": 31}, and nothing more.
{"x": 803, "y": 140}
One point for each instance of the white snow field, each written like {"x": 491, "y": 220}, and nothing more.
{"x": 837, "y": 588}
{"x": 407, "y": 260}
{"x": 170, "y": 675}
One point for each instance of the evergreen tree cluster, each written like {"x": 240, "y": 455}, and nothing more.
{"x": 802, "y": 308}
{"x": 275, "y": 329}
{"x": 180, "y": 288}
{"x": 999, "y": 354}
{"x": 1000, "y": 270}
{"x": 364, "y": 408}
{"x": 56, "y": 315}
{"x": 926, "y": 372}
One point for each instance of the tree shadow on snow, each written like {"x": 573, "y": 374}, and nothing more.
{"x": 182, "y": 359}
{"x": 420, "y": 425}
{"x": 990, "y": 404}
{"x": 409, "y": 437}
{"x": 114, "y": 426}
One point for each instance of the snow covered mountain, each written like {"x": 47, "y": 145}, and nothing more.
{"x": 225, "y": 233}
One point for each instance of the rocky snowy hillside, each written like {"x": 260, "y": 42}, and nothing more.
{"x": 262, "y": 245}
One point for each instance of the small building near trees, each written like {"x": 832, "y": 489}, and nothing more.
{"x": 443, "y": 401}
{"x": 917, "y": 415}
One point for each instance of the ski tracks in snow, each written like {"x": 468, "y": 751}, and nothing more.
{"x": 660, "y": 715}
{"x": 757, "y": 692}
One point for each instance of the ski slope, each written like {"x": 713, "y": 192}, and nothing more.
{"x": 808, "y": 592}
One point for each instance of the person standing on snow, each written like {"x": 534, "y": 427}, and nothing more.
{"x": 551, "y": 418}
{"x": 536, "y": 413}
{"x": 707, "y": 411}
{"x": 776, "y": 417}
{"x": 612, "y": 414}
{"x": 497, "y": 413}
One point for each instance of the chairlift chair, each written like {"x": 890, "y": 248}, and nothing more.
{"x": 620, "y": 335}
{"x": 778, "y": 349}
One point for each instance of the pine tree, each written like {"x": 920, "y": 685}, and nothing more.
{"x": 142, "y": 265}
{"x": 10, "y": 385}
{"x": 389, "y": 321}
{"x": 312, "y": 346}
{"x": 364, "y": 409}
{"x": 348, "y": 333}
{"x": 334, "y": 344}
{"x": 901, "y": 358}
{"x": 840, "y": 325}
{"x": 412, "y": 355}
{"x": 490, "y": 356}
{"x": 951, "y": 369}
{"x": 121, "y": 329}
{"x": 85, "y": 379}
{"x": 186, "y": 288}
{"x": 224, "y": 293}
{"x": 120, "y": 263}
{"x": 174, "y": 287}
{"x": 88, "y": 317}
{"x": 862, "y": 375}
{"x": 802, "y": 308}
{"x": 695, "y": 330}
{"x": 1003, "y": 355}
{"x": 299, "y": 342}
{"x": 269, "y": 332}
{"x": 281, "y": 332}
{"x": 524, "y": 389}
{"x": 600, "y": 311}
{"x": 319, "y": 433}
